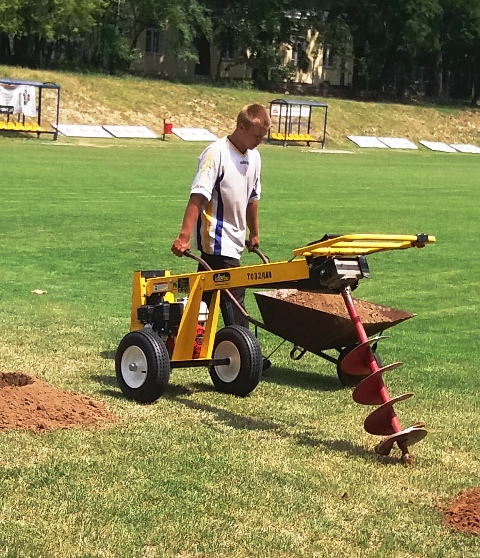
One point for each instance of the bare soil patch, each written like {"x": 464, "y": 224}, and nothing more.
{"x": 334, "y": 304}
{"x": 463, "y": 513}
{"x": 28, "y": 403}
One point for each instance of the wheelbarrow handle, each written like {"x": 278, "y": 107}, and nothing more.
{"x": 234, "y": 301}
{"x": 198, "y": 259}
{"x": 265, "y": 259}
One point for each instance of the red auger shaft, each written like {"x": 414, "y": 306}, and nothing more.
{"x": 372, "y": 390}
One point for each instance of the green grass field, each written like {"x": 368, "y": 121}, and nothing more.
{"x": 287, "y": 471}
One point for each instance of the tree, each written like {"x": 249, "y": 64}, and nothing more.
{"x": 92, "y": 33}
{"x": 188, "y": 17}
{"x": 111, "y": 45}
{"x": 254, "y": 29}
{"x": 32, "y": 28}
{"x": 457, "y": 52}
{"x": 386, "y": 36}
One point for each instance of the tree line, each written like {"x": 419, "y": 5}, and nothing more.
{"x": 394, "y": 47}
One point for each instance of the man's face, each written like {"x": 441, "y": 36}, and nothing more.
{"x": 253, "y": 136}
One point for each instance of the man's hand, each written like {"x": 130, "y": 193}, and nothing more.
{"x": 179, "y": 246}
{"x": 252, "y": 243}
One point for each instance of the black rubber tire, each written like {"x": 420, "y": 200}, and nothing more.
{"x": 350, "y": 380}
{"x": 244, "y": 372}
{"x": 142, "y": 366}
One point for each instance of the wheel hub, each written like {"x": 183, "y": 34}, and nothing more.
{"x": 134, "y": 367}
{"x": 228, "y": 372}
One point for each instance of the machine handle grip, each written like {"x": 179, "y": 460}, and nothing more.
{"x": 198, "y": 259}
{"x": 265, "y": 259}
{"x": 234, "y": 301}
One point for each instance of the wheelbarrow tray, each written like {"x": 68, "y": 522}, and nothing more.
{"x": 318, "y": 321}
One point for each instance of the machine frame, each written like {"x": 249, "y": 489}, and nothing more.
{"x": 304, "y": 271}
{"x": 164, "y": 331}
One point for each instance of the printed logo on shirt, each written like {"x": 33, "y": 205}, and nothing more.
{"x": 244, "y": 162}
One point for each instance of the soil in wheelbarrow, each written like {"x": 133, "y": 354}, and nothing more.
{"x": 319, "y": 321}
{"x": 27, "y": 403}
{"x": 334, "y": 304}
{"x": 463, "y": 513}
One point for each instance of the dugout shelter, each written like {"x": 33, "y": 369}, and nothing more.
{"x": 292, "y": 120}
{"x": 21, "y": 104}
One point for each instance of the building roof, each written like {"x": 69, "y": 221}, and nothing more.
{"x": 46, "y": 85}
{"x": 303, "y": 102}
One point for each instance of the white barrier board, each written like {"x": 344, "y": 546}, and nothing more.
{"x": 367, "y": 141}
{"x": 398, "y": 143}
{"x": 277, "y": 109}
{"x": 130, "y": 132}
{"x": 438, "y": 146}
{"x": 194, "y": 134}
{"x": 465, "y": 147}
{"x": 81, "y": 131}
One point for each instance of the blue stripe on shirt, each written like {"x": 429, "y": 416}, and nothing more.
{"x": 217, "y": 246}
{"x": 199, "y": 234}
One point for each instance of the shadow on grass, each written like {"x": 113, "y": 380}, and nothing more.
{"x": 230, "y": 419}
{"x": 111, "y": 388}
{"x": 108, "y": 355}
{"x": 242, "y": 422}
{"x": 348, "y": 448}
{"x": 302, "y": 379}
{"x": 180, "y": 394}
{"x": 175, "y": 390}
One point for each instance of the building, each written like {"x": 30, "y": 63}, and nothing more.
{"x": 312, "y": 63}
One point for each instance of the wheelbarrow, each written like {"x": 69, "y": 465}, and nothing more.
{"x": 165, "y": 332}
{"x": 316, "y": 322}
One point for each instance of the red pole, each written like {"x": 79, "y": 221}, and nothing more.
{"x": 369, "y": 354}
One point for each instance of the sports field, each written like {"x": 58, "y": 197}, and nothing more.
{"x": 287, "y": 471}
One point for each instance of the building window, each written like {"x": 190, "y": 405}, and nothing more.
{"x": 328, "y": 58}
{"x": 229, "y": 53}
{"x": 152, "y": 41}
{"x": 298, "y": 52}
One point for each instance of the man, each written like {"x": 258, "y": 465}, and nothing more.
{"x": 223, "y": 202}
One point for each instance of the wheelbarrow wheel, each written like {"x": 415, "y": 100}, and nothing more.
{"x": 244, "y": 370}
{"x": 351, "y": 380}
{"x": 142, "y": 366}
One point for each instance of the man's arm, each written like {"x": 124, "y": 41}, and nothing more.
{"x": 192, "y": 212}
{"x": 252, "y": 223}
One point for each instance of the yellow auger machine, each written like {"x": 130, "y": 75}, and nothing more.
{"x": 171, "y": 327}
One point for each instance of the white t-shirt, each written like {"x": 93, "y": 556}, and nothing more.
{"x": 229, "y": 180}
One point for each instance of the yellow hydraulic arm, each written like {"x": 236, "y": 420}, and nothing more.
{"x": 363, "y": 244}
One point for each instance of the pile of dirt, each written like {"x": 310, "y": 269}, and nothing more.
{"x": 463, "y": 514}
{"x": 334, "y": 304}
{"x": 29, "y": 404}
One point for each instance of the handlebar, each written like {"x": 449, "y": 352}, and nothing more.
{"x": 255, "y": 250}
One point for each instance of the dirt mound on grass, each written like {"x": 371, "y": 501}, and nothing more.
{"x": 29, "y": 404}
{"x": 463, "y": 514}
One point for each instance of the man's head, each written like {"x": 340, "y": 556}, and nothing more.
{"x": 253, "y": 123}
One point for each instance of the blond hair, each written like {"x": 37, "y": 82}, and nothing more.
{"x": 253, "y": 114}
